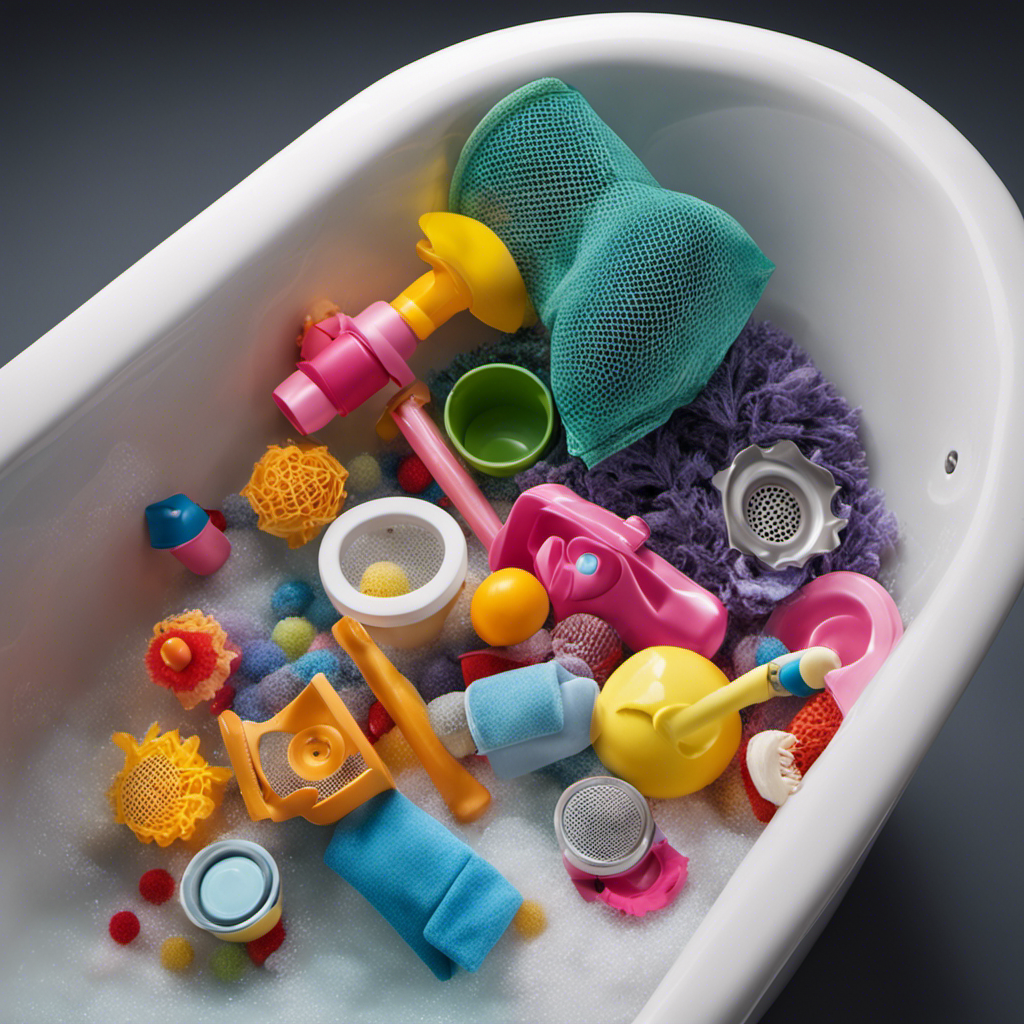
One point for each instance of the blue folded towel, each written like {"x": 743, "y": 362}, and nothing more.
{"x": 447, "y": 902}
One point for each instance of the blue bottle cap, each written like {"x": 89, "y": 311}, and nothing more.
{"x": 232, "y": 889}
{"x": 174, "y": 521}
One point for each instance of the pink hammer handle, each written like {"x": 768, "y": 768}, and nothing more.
{"x": 426, "y": 441}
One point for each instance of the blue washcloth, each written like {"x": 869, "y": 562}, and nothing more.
{"x": 448, "y": 903}
{"x": 579, "y": 695}
{"x": 517, "y": 705}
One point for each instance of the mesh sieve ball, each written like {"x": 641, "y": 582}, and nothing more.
{"x": 603, "y": 825}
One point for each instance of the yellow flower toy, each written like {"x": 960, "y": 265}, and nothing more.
{"x": 165, "y": 786}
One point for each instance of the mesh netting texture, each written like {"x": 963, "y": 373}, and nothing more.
{"x": 766, "y": 390}
{"x": 643, "y": 290}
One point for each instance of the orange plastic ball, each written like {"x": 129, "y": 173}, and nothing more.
{"x": 176, "y": 654}
{"x": 508, "y": 607}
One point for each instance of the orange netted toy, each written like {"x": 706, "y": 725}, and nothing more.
{"x": 296, "y": 491}
{"x": 165, "y": 786}
{"x": 208, "y": 662}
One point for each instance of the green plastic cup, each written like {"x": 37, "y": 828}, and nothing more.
{"x": 500, "y": 418}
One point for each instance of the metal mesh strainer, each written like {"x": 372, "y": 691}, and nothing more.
{"x": 418, "y": 551}
{"x": 603, "y": 825}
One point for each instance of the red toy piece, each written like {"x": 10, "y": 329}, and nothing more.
{"x": 156, "y": 886}
{"x": 413, "y": 475}
{"x": 813, "y": 726}
{"x": 379, "y": 721}
{"x": 124, "y": 927}
{"x": 217, "y": 518}
{"x": 223, "y": 699}
{"x": 259, "y": 949}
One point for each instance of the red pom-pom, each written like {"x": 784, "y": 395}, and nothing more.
{"x": 813, "y": 726}
{"x": 259, "y": 949}
{"x": 204, "y": 661}
{"x": 379, "y": 721}
{"x": 217, "y": 518}
{"x": 123, "y": 927}
{"x": 413, "y": 475}
{"x": 156, "y": 886}
{"x": 223, "y": 699}
{"x": 478, "y": 664}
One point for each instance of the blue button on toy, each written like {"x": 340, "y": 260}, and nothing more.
{"x": 587, "y": 564}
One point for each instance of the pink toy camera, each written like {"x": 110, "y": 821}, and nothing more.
{"x": 590, "y": 560}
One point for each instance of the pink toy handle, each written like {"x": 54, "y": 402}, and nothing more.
{"x": 407, "y": 412}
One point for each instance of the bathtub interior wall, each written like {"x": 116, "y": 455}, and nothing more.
{"x": 878, "y": 278}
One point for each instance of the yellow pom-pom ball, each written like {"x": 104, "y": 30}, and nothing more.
{"x": 530, "y": 920}
{"x": 176, "y": 953}
{"x": 508, "y": 607}
{"x": 384, "y": 579}
{"x": 394, "y": 750}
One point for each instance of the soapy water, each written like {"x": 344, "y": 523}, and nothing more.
{"x": 340, "y": 960}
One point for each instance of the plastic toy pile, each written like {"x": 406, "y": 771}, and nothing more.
{"x": 634, "y": 578}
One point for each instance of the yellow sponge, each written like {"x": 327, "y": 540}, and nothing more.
{"x": 384, "y": 579}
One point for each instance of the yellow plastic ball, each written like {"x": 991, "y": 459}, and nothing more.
{"x": 176, "y": 953}
{"x": 384, "y": 579}
{"x": 530, "y": 920}
{"x": 508, "y": 607}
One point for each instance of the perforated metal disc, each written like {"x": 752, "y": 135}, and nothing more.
{"x": 773, "y": 514}
{"x": 603, "y": 825}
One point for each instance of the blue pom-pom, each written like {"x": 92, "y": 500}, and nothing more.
{"x": 348, "y": 673}
{"x": 769, "y": 648}
{"x": 291, "y": 598}
{"x": 322, "y": 613}
{"x": 388, "y": 462}
{"x": 248, "y": 705}
{"x": 242, "y": 629}
{"x": 279, "y": 689}
{"x": 313, "y": 662}
{"x": 433, "y": 492}
{"x": 442, "y": 675}
{"x": 238, "y": 513}
{"x": 261, "y": 658}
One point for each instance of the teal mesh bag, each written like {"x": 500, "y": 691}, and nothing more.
{"x": 643, "y": 290}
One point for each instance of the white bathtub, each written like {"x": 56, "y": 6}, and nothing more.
{"x": 900, "y": 268}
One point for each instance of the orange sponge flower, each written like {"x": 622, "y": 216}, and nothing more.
{"x": 207, "y": 664}
{"x": 165, "y": 786}
{"x": 296, "y": 491}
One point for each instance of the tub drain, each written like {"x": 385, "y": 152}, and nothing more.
{"x": 778, "y": 505}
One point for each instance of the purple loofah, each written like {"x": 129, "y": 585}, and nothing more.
{"x": 766, "y": 389}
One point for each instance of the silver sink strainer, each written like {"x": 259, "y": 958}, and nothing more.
{"x": 778, "y": 505}
{"x": 603, "y": 825}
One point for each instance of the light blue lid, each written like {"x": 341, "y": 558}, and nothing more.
{"x": 232, "y": 889}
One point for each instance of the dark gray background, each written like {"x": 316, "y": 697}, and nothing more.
{"x": 119, "y": 124}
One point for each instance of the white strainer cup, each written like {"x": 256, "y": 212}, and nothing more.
{"x": 423, "y": 540}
